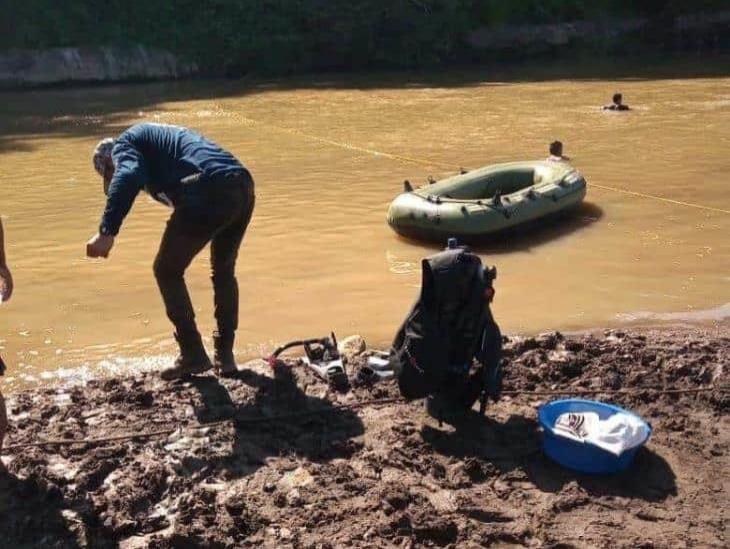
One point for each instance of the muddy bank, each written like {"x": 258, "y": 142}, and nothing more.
{"x": 383, "y": 475}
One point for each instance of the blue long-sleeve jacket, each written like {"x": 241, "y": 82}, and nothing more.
{"x": 155, "y": 157}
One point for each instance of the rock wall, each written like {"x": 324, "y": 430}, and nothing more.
{"x": 695, "y": 32}
{"x": 549, "y": 35}
{"x": 19, "y": 68}
{"x": 709, "y": 27}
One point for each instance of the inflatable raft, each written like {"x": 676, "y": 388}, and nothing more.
{"x": 487, "y": 201}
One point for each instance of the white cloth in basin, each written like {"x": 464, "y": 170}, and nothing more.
{"x": 615, "y": 434}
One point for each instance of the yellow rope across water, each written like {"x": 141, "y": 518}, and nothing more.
{"x": 448, "y": 166}
{"x": 348, "y": 146}
{"x": 660, "y": 198}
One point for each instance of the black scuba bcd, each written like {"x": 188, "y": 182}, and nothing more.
{"x": 450, "y": 326}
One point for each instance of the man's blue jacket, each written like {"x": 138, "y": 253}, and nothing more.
{"x": 155, "y": 157}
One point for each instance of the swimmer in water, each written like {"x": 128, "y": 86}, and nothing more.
{"x": 617, "y": 104}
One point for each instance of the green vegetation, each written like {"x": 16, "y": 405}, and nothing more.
{"x": 283, "y": 36}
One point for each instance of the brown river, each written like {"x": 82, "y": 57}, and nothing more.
{"x": 328, "y": 154}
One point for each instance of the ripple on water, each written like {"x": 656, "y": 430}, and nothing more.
{"x": 716, "y": 314}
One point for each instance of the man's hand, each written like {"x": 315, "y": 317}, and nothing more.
{"x": 100, "y": 245}
{"x": 7, "y": 283}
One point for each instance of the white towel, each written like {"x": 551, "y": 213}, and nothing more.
{"x": 616, "y": 434}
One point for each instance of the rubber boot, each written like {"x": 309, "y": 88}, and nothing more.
{"x": 192, "y": 360}
{"x": 223, "y": 359}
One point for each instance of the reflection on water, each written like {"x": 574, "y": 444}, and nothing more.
{"x": 319, "y": 255}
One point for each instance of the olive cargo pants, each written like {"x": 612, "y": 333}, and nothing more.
{"x": 216, "y": 210}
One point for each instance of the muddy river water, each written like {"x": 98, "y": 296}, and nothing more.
{"x": 328, "y": 154}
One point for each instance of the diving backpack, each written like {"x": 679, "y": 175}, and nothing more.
{"x": 449, "y": 327}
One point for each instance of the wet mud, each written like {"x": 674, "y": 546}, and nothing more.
{"x": 274, "y": 458}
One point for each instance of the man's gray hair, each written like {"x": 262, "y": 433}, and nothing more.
{"x": 102, "y": 151}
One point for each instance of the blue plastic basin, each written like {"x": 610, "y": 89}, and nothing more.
{"x": 583, "y": 457}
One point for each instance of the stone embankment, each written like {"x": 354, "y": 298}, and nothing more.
{"x": 696, "y": 32}
{"x": 703, "y": 30}
{"x": 22, "y": 68}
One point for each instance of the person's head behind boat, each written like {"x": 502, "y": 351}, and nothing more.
{"x": 556, "y": 148}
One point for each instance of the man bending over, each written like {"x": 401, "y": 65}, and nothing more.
{"x": 212, "y": 196}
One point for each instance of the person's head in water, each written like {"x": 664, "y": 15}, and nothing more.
{"x": 556, "y": 148}
{"x": 556, "y": 152}
{"x": 103, "y": 163}
{"x": 617, "y": 103}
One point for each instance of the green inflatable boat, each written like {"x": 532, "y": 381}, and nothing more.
{"x": 487, "y": 201}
